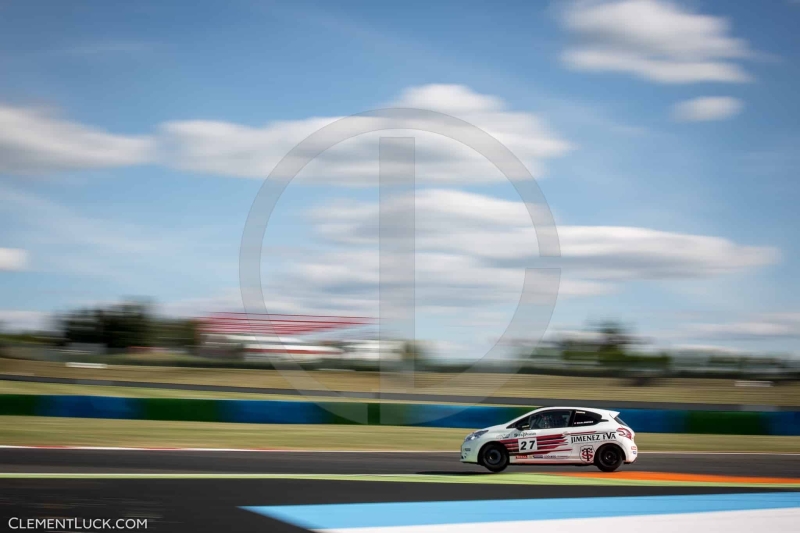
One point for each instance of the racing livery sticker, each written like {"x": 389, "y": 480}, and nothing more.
{"x": 527, "y": 444}
{"x": 625, "y": 432}
{"x": 587, "y": 454}
{"x": 590, "y": 437}
{"x": 542, "y": 444}
{"x": 552, "y": 443}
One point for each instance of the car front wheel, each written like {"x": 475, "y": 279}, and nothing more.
{"x": 609, "y": 457}
{"x": 494, "y": 457}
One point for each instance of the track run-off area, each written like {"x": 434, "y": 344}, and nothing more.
{"x": 398, "y": 492}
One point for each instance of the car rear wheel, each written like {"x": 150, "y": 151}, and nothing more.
{"x": 609, "y": 457}
{"x": 494, "y": 457}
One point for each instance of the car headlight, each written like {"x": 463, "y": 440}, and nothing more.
{"x": 475, "y": 434}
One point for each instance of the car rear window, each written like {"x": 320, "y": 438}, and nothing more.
{"x": 621, "y": 422}
{"x": 585, "y": 418}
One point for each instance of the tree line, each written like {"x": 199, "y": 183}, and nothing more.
{"x": 127, "y": 325}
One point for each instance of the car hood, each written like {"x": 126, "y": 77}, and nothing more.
{"x": 495, "y": 430}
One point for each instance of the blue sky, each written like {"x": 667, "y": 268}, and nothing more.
{"x": 134, "y": 138}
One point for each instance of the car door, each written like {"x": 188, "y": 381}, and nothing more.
{"x": 583, "y": 435}
{"x": 545, "y": 441}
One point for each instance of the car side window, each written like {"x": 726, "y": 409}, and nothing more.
{"x": 585, "y": 418}
{"x": 521, "y": 424}
{"x": 556, "y": 418}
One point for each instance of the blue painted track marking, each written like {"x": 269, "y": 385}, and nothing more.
{"x": 333, "y": 516}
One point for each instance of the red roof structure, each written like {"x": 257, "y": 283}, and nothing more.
{"x": 231, "y": 323}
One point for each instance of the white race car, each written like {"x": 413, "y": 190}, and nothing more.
{"x": 554, "y": 435}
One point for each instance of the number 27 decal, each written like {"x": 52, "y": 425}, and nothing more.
{"x": 526, "y": 445}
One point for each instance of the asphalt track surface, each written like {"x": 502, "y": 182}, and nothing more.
{"x": 444, "y": 463}
{"x": 446, "y": 398}
{"x": 215, "y": 504}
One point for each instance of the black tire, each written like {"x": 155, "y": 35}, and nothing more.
{"x": 609, "y": 457}
{"x": 494, "y": 457}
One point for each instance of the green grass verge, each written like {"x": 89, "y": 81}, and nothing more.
{"x": 51, "y": 431}
{"x": 47, "y": 431}
{"x": 717, "y": 391}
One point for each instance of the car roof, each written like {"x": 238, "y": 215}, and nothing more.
{"x": 607, "y": 412}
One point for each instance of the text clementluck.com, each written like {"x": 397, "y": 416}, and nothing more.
{"x": 76, "y": 524}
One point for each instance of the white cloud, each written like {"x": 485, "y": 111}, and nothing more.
{"x": 707, "y": 108}
{"x": 768, "y": 325}
{"x": 626, "y": 253}
{"x": 228, "y": 149}
{"x": 13, "y": 320}
{"x": 13, "y": 259}
{"x": 471, "y": 252}
{"x": 67, "y": 241}
{"x": 33, "y": 142}
{"x": 653, "y": 39}
{"x": 499, "y": 232}
{"x": 708, "y": 349}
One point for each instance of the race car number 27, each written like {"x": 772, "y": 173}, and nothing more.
{"x": 527, "y": 445}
